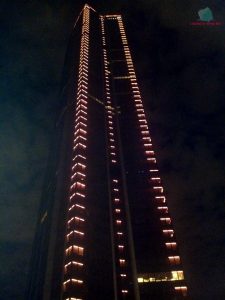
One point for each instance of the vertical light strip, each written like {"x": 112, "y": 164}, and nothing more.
{"x": 118, "y": 209}
{"x": 75, "y": 235}
{"x": 145, "y": 138}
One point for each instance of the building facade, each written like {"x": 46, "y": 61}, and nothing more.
{"x": 104, "y": 231}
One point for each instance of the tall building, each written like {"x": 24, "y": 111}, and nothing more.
{"x": 104, "y": 231}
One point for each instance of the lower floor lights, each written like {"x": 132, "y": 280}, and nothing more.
{"x": 161, "y": 276}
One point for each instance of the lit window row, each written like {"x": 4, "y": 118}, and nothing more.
{"x": 138, "y": 102}
{"x": 78, "y": 176}
{"x": 162, "y": 276}
{"x": 145, "y": 137}
{"x": 117, "y": 204}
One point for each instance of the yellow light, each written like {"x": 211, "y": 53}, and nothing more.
{"x": 162, "y": 276}
{"x": 177, "y": 275}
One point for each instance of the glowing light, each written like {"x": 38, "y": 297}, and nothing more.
{"x": 162, "y": 276}
{"x": 158, "y": 188}
{"x": 168, "y": 232}
{"x": 166, "y": 220}
{"x": 171, "y": 245}
{"x": 181, "y": 289}
{"x": 165, "y": 208}
{"x": 174, "y": 260}
{"x": 73, "y": 280}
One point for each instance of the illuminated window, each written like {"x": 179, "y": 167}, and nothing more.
{"x": 122, "y": 262}
{"x": 151, "y": 159}
{"x": 158, "y": 188}
{"x": 172, "y": 245}
{"x": 73, "y": 299}
{"x": 78, "y": 184}
{"x": 155, "y": 178}
{"x": 74, "y": 233}
{"x": 161, "y": 198}
{"x": 119, "y": 233}
{"x": 181, "y": 289}
{"x": 121, "y": 247}
{"x": 79, "y": 175}
{"x": 161, "y": 276}
{"x": 163, "y": 209}
{"x": 77, "y": 194}
{"x": 75, "y": 249}
{"x": 177, "y": 275}
{"x": 73, "y": 281}
{"x": 150, "y": 152}
{"x": 174, "y": 260}
{"x": 168, "y": 232}
{"x": 73, "y": 264}
{"x": 165, "y": 220}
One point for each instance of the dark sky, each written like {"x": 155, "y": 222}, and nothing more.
{"x": 181, "y": 71}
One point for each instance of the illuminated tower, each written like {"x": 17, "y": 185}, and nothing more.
{"x": 106, "y": 233}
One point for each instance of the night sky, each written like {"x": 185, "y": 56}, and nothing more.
{"x": 181, "y": 71}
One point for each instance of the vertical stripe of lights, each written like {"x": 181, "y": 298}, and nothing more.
{"x": 118, "y": 208}
{"x": 154, "y": 177}
{"x": 75, "y": 235}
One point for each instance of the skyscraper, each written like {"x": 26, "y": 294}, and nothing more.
{"x": 104, "y": 230}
